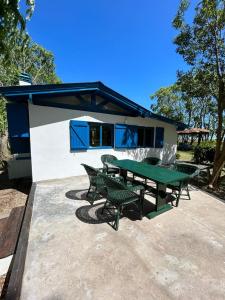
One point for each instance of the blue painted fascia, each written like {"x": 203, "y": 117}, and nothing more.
{"x": 11, "y": 93}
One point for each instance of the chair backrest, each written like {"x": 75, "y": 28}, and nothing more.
{"x": 107, "y": 158}
{"x": 191, "y": 170}
{"x": 152, "y": 160}
{"x": 112, "y": 184}
{"x": 90, "y": 170}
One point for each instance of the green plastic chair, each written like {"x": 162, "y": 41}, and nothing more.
{"x": 152, "y": 160}
{"x": 97, "y": 187}
{"x": 106, "y": 160}
{"x": 178, "y": 187}
{"x": 120, "y": 194}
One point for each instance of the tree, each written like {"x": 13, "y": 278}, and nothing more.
{"x": 186, "y": 101}
{"x": 169, "y": 102}
{"x": 199, "y": 103}
{"x": 11, "y": 18}
{"x": 202, "y": 45}
{"x": 29, "y": 57}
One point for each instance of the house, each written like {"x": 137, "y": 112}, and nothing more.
{"x": 53, "y": 128}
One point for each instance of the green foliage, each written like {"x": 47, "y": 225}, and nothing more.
{"x": 25, "y": 56}
{"x": 169, "y": 102}
{"x": 178, "y": 155}
{"x": 204, "y": 152}
{"x": 11, "y": 19}
{"x": 201, "y": 42}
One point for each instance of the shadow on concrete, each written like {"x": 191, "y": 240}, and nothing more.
{"x": 92, "y": 214}
{"x": 77, "y": 194}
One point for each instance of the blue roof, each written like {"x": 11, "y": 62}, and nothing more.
{"x": 23, "y": 93}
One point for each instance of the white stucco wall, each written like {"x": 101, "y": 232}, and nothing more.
{"x": 50, "y": 142}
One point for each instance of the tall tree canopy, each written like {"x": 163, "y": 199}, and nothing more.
{"x": 169, "y": 103}
{"x": 12, "y": 18}
{"x": 29, "y": 57}
{"x": 201, "y": 43}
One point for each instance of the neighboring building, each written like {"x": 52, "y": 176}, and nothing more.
{"x": 56, "y": 127}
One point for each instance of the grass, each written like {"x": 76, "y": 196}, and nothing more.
{"x": 186, "y": 155}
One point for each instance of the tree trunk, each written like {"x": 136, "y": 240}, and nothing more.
{"x": 219, "y": 158}
{"x": 217, "y": 168}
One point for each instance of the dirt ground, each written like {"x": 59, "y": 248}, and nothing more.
{"x": 12, "y": 194}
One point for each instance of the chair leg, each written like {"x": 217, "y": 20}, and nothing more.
{"x": 88, "y": 191}
{"x": 188, "y": 193}
{"x": 117, "y": 218}
{"x": 141, "y": 202}
{"x": 178, "y": 198}
{"x": 104, "y": 206}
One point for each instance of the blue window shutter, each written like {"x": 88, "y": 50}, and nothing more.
{"x": 159, "y": 139}
{"x": 79, "y": 135}
{"x": 149, "y": 137}
{"x": 126, "y": 136}
{"x": 18, "y": 120}
{"x": 19, "y": 145}
{"x": 18, "y": 127}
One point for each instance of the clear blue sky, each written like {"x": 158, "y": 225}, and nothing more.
{"x": 126, "y": 44}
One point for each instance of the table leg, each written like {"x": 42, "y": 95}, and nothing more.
{"x": 123, "y": 173}
{"x": 161, "y": 202}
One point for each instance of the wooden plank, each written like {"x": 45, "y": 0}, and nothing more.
{"x": 10, "y": 232}
{"x": 2, "y": 224}
{"x": 14, "y": 283}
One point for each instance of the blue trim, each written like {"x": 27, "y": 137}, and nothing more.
{"x": 61, "y": 91}
{"x": 12, "y": 93}
{"x": 100, "y": 147}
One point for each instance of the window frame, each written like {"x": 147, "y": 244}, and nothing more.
{"x": 113, "y": 127}
{"x": 101, "y": 125}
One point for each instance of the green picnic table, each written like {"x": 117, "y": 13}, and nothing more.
{"x": 160, "y": 175}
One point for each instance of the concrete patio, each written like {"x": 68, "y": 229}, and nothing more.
{"x": 72, "y": 254}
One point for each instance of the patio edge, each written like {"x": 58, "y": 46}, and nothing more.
{"x": 13, "y": 288}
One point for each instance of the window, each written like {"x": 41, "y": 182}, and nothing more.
{"x": 85, "y": 135}
{"x": 149, "y": 137}
{"x": 159, "y": 139}
{"x": 107, "y": 135}
{"x": 141, "y": 137}
{"x": 101, "y": 135}
{"x": 94, "y": 138}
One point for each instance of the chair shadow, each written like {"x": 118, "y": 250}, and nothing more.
{"x": 77, "y": 194}
{"x": 92, "y": 214}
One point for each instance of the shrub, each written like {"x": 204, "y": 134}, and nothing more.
{"x": 184, "y": 147}
{"x": 178, "y": 155}
{"x": 204, "y": 152}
